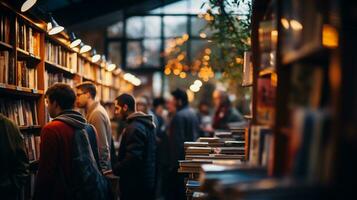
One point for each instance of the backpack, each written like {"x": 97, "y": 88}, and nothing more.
{"x": 87, "y": 181}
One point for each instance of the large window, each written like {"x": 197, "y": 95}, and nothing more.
{"x": 140, "y": 40}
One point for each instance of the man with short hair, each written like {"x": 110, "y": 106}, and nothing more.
{"x": 99, "y": 118}
{"x": 56, "y": 150}
{"x": 137, "y": 152}
{"x": 184, "y": 127}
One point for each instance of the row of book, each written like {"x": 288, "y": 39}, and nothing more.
{"x": 52, "y": 78}
{"x": 268, "y": 42}
{"x": 83, "y": 65}
{"x": 60, "y": 56}
{"x": 7, "y": 69}
{"x": 28, "y": 39}
{"x": 32, "y": 145}
{"x": 26, "y": 77}
{"x": 22, "y": 112}
{"x": 4, "y": 28}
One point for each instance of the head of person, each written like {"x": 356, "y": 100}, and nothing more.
{"x": 203, "y": 107}
{"x": 142, "y": 104}
{"x": 125, "y": 105}
{"x": 86, "y": 93}
{"x": 159, "y": 105}
{"x": 180, "y": 98}
{"x": 220, "y": 98}
{"x": 59, "y": 97}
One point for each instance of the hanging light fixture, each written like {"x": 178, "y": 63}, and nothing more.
{"x": 84, "y": 48}
{"x": 95, "y": 56}
{"x": 53, "y": 27}
{"x": 74, "y": 40}
{"x": 111, "y": 67}
{"x": 27, "y": 5}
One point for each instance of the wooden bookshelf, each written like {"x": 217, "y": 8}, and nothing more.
{"x": 25, "y": 52}
{"x": 4, "y": 45}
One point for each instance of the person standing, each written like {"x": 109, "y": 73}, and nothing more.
{"x": 55, "y": 173}
{"x": 225, "y": 113}
{"x": 184, "y": 127}
{"x": 137, "y": 152}
{"x": 99, "y": 118}
{"x": 14, "y": 167}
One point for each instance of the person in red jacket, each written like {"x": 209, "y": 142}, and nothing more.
{"x": 54, "y": 173}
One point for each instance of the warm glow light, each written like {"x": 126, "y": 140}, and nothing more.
{"x": 208, "y": 51}
{"x": 181, "y": 57}
{"x": 185, "y": 37}
{"x": 194, "y": 88}
{"x": 206, "y": 57}
{"x": 329, "y": 36}
{"x": 85, "y": 48}
{"x": 167, "y": 71}
{"x": 274, "y": 36}
{"x": 203, "y": 35}
{"x": 198, "y": 83}
{"x": 183, "y": 75}
{"x": 176, "y": 71}
{"x": 296, "y": 25}
{"x": 27, "y": 5}
{"x": 239, "y": 60}
{"x": 285, "y": 23}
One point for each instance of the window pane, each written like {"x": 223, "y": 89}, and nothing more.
{"x": 175, "y": 26}
{"x": 134, "y": 27}
{"x": 114, "y": 53}
{"x": 133, "y": 56}
{"x": 152, "y": 53}
{"x": 152, "y": 26}
{"x": 198, "y": 26}
{"x": 195, "y": 6}
{"x": 115, "y": 30}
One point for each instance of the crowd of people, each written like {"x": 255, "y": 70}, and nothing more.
{"x": 78, "y": 157}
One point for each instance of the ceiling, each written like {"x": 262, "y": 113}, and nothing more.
{"x": 82, "y": 14}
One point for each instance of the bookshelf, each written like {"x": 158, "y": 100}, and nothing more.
{"x": 30, "y": 62}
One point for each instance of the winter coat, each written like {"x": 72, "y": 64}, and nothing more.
{"x": 14, "y": 162}
{"x": 137, "y": 158}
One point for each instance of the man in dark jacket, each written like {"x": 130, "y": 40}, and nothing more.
{"x": 183, "y": 127}
{"x": 13, "y": 159}
{"x": 137, "y": 152}
{"x": 54, "y": 173}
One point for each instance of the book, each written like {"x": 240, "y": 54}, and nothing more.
{"x": 247, "y": 69}
{"x": 266, "y": 101}
{"x": 28, "y": 39}
{"x": 61, "y": 56}
{"x": 26, "y": 77}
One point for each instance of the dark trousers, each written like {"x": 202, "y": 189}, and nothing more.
{"x": 176, "y": 186}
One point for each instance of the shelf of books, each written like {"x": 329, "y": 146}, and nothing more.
{"x": 30, "y": 62}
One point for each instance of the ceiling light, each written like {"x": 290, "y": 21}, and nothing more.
{"x": 54, "y": 28}
{"x": 111, "y": 67}
{"x": 74, "y": 40}
{"x": 84, "y": 48}
{"x": 95, "y": 56}
{"x": 27, "y": 5}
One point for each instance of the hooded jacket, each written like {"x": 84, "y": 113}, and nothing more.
{"x": 137, "y": 156}
{"x": 13, "y": 159}
{"x": 56, "y": 151}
